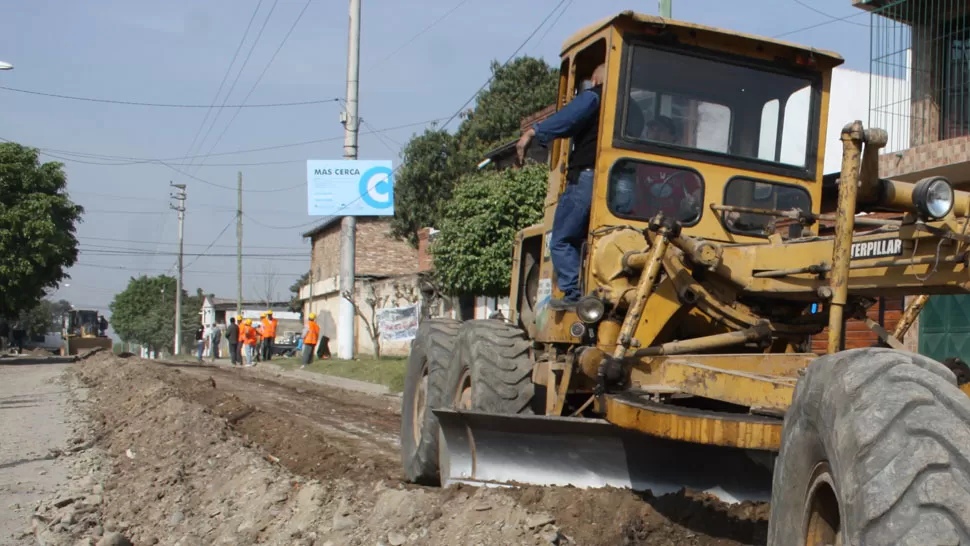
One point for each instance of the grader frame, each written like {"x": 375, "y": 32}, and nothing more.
{"x": 691, "y": 344}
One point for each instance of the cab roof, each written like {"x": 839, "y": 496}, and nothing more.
{"x": 828, "y": 58}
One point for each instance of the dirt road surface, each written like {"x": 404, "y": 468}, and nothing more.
{"x": 213, "y": 455}
{"x": 34, "y": 423}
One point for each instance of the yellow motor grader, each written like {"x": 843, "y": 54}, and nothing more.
{"x": 711, "y": 260}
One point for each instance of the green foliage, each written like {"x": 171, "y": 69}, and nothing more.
{"x": 295, "y": 304}
{"x": 37, "y": 227}
{"x": 518, "y": 89}
{"x": 145, "y": 313}
{"x": 44, "y": 317}
{"x": 435, "y": 161}
{"x": 432, "y": 165}
{"x": 473, "y": 252}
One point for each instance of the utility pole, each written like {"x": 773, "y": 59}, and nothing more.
{"x": 665, "y": 9}
{"x": 180, "y": 207}
{"x": 348, "y": 226}
{"x": 239, "y": 243}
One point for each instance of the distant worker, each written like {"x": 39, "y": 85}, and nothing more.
{"x": 103, "y": 326}
{"x": 242, "y": 341}
{"x": 232, "y": 337}
{"x": 579, "y": 120}
{"x": 269, "y": 335}
{"x": 249, "y": 343}
{"x": 200, "y": 340}
{"x": 259, "y": 336}
{"x": 311, "y": 335}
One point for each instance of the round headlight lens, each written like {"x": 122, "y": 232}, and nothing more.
{"x": 590, "y": 309}
{"x": 933, "y": 197}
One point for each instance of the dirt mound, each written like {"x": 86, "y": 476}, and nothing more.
{"x": 193, "y": 456}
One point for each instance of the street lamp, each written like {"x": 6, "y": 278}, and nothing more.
{"x": 5, "y": 66}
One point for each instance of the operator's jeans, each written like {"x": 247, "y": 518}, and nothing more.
{"x": 569, "y": 227}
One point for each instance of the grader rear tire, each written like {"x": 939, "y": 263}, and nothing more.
{"x": 491, "y": 370}
{"x": 874, "y": 451}
{"x": 424, "y": 389}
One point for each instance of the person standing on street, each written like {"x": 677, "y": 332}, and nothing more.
{"x": 269, "y": 335}
{"x": 200, "y": 340}
{"x": 258, "y": 325}
{"x": 311, "y": 335}
{"x": 249, "y": 342}
{"x": 232, "y": 336}
{"x": 215, "y": 338}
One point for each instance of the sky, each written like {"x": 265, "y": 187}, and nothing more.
{"x": 420, "y": 61}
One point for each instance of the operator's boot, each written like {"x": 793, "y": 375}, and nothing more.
{"x": 564, "y": 304}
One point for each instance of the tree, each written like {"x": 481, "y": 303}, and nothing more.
{"x": 435, "y": 161}
{"x": 518, "y": 89}
{"x": 431, "y": 167}
{"x": 265, "y": 289}
{"x": 44, "y": 317}
{"x": 144, "y": 312}
{"x": 473, "y": 252}
{"x": 296, "y": 305}
{"x": 37, "y": 228}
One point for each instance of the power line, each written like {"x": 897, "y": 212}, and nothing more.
{"x": 242, "y": 68}
{"x": 130, "y": 241}
{"x": 834, "y": 18}
{"x": 822, "y": 24}
{"x": 507, "y": 61}
{"x": 295, "y": 226}
{"x": 214, "y": 241}
{"x": 163, "y": 104}
{"x": 223, "y": 82}
{"x": 142, "y": 270}
{"x": 419, "y": 34}
{"x": 141, "y": 160}
{"x": 551, "y": 26}
{"x": 261, "y": 74}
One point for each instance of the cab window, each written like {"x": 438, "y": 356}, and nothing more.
{"x": 639, "y": 190}
{"x": 756, "y": 194}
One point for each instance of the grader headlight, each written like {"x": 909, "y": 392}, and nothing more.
{"x": 933, "y": 197}
{"x": 590, "y": 309}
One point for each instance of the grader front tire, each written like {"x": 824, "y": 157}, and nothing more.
{"x": 875, "y": 451}
{"x": 424, "y": 389}
{"x": 492, "y": 369}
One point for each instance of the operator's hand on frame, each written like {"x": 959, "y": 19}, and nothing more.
{"x": 522, "y": 146}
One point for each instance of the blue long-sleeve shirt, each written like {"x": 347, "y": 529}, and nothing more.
{"x": 569, "y": 119}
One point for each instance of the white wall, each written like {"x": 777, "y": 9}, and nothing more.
{"x": 849, "y": 100}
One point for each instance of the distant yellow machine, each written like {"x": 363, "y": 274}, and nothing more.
{"x": 711, "y": 259}
{"x": 82, "y": 332}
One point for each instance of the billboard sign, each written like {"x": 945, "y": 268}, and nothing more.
{"x": 398, "y": 323}
{"x": 350, "y": 188}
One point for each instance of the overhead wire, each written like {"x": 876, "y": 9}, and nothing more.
{"x": 225, "y": 77}
{"x": 261, "y": 74}
{"x": 833, "y": 17}
{"x": 214, "y": 241}
{"x": 163, "y": 104}
{"x": 242, "y": 68}
{"x": 421, "y": 32}
{"x": 507, "y": 61}
{"x": 553, "y": 24}
{"x": 822, "y": 24}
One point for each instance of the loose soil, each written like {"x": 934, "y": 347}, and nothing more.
{"x": 215, "y": 455}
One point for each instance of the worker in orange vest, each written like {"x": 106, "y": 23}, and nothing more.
{"x": 250, "y": 342}
{"x": 269, "y": 335}
{"x": 241, "y": 342}
{"x": 311, "y": 335}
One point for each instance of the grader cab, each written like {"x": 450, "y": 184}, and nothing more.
{"x": 712, "y": 258}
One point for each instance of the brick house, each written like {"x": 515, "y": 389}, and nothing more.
{"x": 386, "y": 276}
{"x": 927, "y": 46}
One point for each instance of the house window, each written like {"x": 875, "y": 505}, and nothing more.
{"x": 955, "y": 81}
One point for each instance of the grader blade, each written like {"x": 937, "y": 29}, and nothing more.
{"x": 487, "y": 449}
